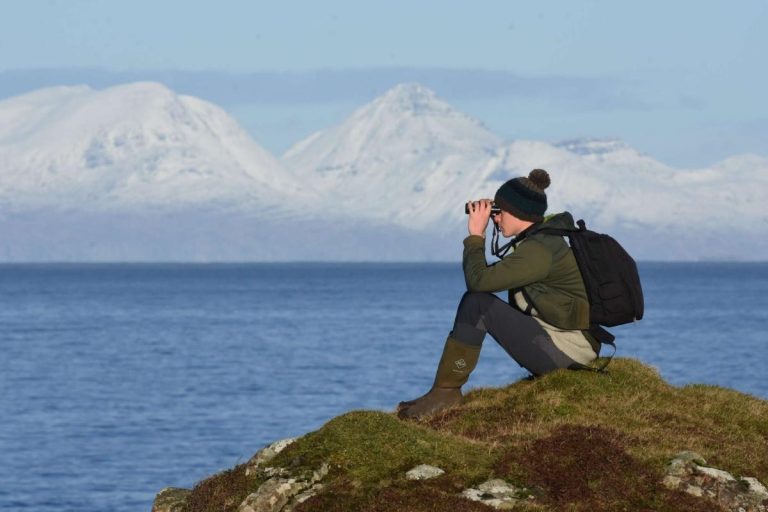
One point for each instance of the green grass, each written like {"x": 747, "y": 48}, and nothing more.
{"x": 579, "y": 440}
{"x": 369, "y": 447}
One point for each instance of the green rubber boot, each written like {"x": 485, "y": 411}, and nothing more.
{"x": 457, "y": 362}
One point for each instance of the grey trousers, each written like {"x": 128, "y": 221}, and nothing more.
{"x": 519, "y": 335}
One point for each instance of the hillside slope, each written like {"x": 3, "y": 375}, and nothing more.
{"x": 566, "y": 441}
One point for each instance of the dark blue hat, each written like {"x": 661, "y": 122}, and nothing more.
{"x": 524, "y": 197}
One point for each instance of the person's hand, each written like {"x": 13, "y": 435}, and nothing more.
{"x": 479, "y": 214}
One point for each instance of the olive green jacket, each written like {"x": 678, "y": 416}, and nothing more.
{"x": 542, "y": 266}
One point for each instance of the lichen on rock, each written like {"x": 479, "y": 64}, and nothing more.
{"x": 498, "y": 494}
{"x": 424, "y": 472}
{"x": 283, "y": 494}
{"x": 685, "y": 473}
{"x": 272, "y": 495}
{"x": 266, "y": 454}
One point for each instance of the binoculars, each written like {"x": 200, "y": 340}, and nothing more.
{"x": 495, "y": 210}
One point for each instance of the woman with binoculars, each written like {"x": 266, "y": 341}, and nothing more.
{"x": 542, "y": 326}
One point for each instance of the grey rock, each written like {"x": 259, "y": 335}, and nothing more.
{"x": 320, "y": 473}
{"x": 266, "y": 454}
{"x": 681, "y": 468}
{"x": 499, "y": 487}
{"x": 497, "y": 503}
{"x": 424, "y": 472}
{"x": 695, "y": 490}
{"x": 270, "y": 472}
{"x": 170, "y": 499}
{"x": 283, "y": 494}
{"x": 689, "y": 456}
{"x": 496, "y": 493}
{"x": 272, "y": 496}
{"x": 737, "y": 495}
{"x": 302, "y": 497}
{"x": 714, "y": 473}
{"x": 755, "y": 487}
{"x": 684, "y": 463}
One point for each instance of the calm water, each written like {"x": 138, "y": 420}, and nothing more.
{"x": 118, "y": 380}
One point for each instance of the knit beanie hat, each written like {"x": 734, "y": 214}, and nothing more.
{"x": 524, "y": 197}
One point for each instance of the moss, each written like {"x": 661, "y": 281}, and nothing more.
{"x": 579, "y": 440}
{"x": 369, "y": 446}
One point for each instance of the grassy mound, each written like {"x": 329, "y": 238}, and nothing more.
{"x": 577, "y": 440}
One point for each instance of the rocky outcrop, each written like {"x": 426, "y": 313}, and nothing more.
{"x": 265, "y": 455}
{"x": 687, "y": 473}
{"x": 279, "y": 494}
{"x": 282, "y": 490}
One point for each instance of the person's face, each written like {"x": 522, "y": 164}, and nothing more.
{"x": 508, "y": 224}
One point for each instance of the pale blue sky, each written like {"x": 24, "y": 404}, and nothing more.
{"x": 683, "y": 81}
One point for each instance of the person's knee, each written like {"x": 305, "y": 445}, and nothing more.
{"x": 477, "y": 300}
{"x": 473, "y": 306}
{"x": 469, "y": 326}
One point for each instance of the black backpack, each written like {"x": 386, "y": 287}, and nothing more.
{"x": 610, "y": 277}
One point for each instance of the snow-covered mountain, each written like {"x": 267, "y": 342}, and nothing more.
{"x": 407, "y": 157}
{"x": 130, "y": 146}
{"x": 137, "y": 172}
{"x": 411, "y": 159}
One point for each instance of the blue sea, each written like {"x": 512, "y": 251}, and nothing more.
{"x": 118, "y": 380}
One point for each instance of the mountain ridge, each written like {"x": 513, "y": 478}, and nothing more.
{"x": 404, "y": 163}
{"x": 134, "y": 144}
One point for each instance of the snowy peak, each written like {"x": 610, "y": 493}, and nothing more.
{"x": 132, "y": 144}
{"x": 407, "y": 118}
{"x": 415, "y": 113}
{"x": 404, "y": 147}
{"x": 411, "y": 98}
{"x": 72, "y": 111}
{"x": 407, "y": 128}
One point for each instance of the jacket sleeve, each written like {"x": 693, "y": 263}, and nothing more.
{"x": 530, "y": 262}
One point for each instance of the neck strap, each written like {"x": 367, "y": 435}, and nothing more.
{"x": 502, "y": 251}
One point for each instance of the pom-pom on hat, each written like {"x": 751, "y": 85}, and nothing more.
{"x": 525, "y": 197}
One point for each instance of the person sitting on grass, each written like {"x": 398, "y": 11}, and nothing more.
{"x": 543, "y": 326}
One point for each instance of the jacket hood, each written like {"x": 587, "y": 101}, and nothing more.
{"x": 562, "y": 220}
